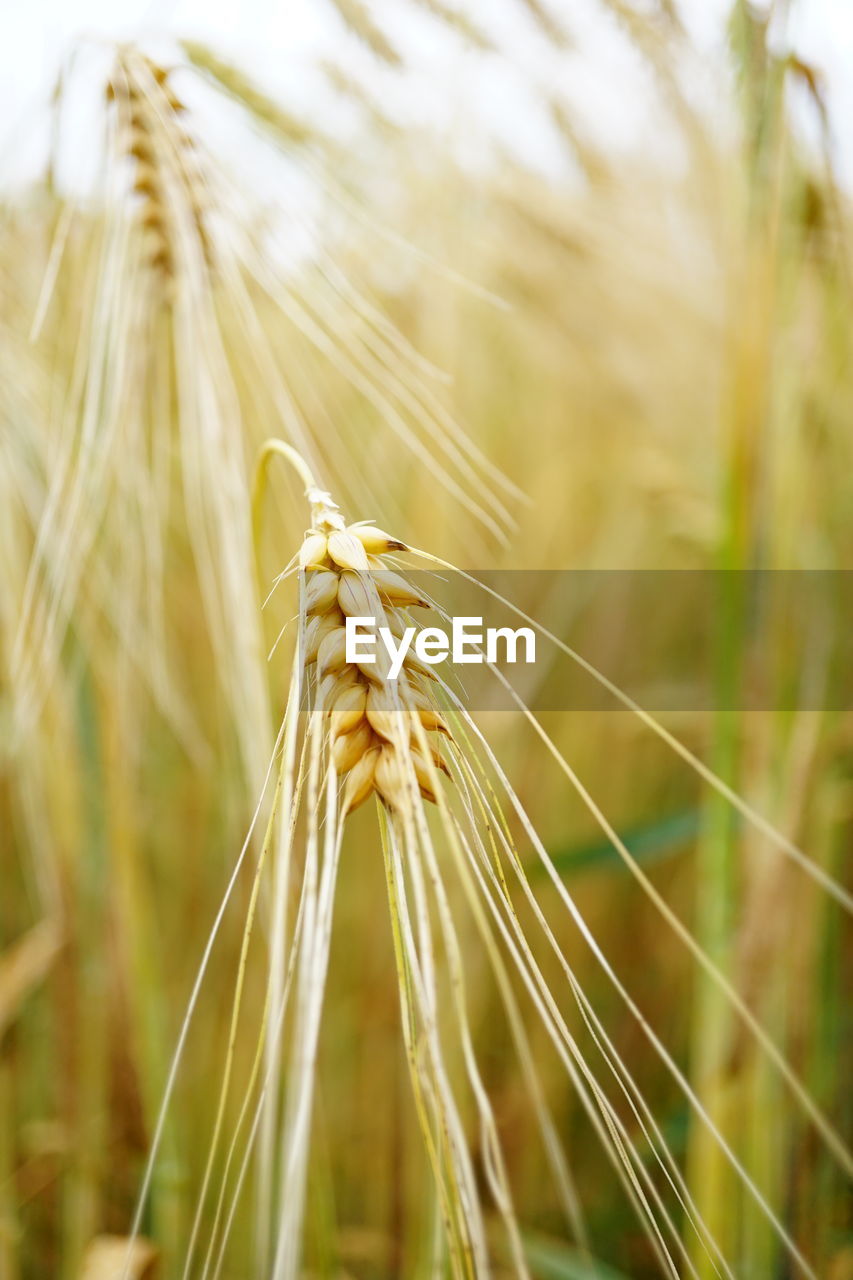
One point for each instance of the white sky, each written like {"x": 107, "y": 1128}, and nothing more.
{"x": 279, "y": 41}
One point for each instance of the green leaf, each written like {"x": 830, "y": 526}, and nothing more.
{"x": 651, "y": 842}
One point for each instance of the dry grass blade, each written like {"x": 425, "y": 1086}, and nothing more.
{"x": 359, "y": 20}
{"x": 242, "y": 89}
{"x": 24, "y": 966}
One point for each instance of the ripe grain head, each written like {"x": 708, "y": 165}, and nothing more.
{"x": 370, "y": 717}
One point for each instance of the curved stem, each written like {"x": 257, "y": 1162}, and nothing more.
{"x": 259, "y": 485}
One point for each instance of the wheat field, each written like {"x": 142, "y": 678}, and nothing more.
{"x": 308, "y": 972}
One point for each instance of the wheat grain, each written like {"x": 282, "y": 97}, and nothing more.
{"x": 370, "y": 717}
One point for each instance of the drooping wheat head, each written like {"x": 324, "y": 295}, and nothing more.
{"x": 370, "y": 716}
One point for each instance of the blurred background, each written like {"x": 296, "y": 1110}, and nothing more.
{"x": 600, "y": 249}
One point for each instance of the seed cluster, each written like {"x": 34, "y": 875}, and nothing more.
{"x": 163, "y": 153}
{"x": 371, "y": 718}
